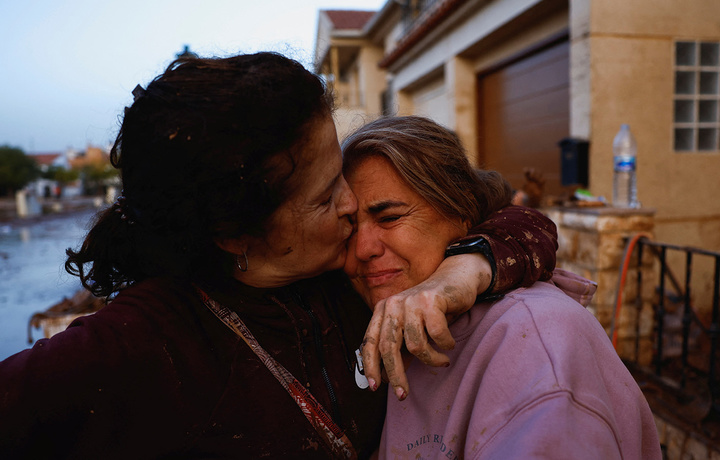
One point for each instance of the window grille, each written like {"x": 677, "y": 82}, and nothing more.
{"x": 697, "y": 96}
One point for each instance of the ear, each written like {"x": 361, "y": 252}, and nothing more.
{"x": 235, "y": 246}
{"x": 467, "y": 225}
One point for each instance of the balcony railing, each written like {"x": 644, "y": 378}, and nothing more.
{"x": 415, "y": 11}
{"x": 684, "y": 362}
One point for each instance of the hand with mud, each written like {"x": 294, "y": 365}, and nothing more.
{"x": 422, "y": 311}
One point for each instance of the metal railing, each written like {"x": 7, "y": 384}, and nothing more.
{"x": 414, "y": 11}
{"x": 689, "y": 369}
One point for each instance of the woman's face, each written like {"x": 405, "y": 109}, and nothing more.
{"x": 307, "y": 235}
{"x": 400, "y": 239}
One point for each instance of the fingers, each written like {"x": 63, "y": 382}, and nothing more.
{"x": 417, "y": 343}
{"x": 407, "y": 318}
{"x": 390, "y": 345}
{"x": 437, "y": 328}
{"x": 369, "y": 350}
{"x": 381, "y": 350}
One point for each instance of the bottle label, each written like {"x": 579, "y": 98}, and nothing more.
{"x": 624, "y": 164}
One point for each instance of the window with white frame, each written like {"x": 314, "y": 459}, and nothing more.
{"x": 697, "y": 96}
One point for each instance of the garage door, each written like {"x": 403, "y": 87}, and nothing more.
{"x": 524, "y": 113}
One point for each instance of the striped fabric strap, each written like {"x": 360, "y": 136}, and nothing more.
{"x": 334, "y": 438}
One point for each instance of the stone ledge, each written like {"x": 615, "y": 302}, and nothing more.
{"x": 602, "y": 219}
{"x": 602, "y": 210}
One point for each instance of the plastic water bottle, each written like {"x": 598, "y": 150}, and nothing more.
{"x": 624, "y": 180}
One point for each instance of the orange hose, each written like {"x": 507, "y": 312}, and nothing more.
{"x": 621, "y": 284}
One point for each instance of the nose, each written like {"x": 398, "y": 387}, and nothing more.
{"x": 367, "y": 242}
{"x": 347, "y": 204}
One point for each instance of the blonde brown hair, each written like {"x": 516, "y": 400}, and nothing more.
{"x": 433, "y": 162}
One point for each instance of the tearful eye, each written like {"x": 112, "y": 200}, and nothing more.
{"x": 388, "y": 219}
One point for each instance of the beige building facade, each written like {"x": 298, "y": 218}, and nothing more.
{"x": 515, "y": 77}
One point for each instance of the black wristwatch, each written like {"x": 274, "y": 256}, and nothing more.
{"x": 470, "y": 245}
{"x": 478, "y": 244}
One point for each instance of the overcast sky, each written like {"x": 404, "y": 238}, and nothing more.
{"x": 68, "y": 67}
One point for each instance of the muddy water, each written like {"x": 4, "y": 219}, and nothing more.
{"x": 32, "y": 277}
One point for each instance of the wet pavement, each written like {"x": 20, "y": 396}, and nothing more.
{"x": 32, "y": 275}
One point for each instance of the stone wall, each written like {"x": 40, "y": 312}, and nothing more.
{"x": 592, "y": 243}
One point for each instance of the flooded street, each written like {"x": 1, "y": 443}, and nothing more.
{"x": 32, "y": 276}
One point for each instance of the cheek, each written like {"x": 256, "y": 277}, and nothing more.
{"x": 328, "y": 225}
{"x": 322, "y": 234}
{"x": 426, "y": 255}
{"x": 425, "y": 265}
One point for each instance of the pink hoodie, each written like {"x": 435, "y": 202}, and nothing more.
{"x": 533, "y": 376}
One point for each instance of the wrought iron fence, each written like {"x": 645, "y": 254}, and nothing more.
{"x": 685, "y": 348}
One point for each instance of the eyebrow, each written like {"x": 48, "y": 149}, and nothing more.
{"x": 383, "y": 205}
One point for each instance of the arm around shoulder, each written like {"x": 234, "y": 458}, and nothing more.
{"x": 523, "y": 243}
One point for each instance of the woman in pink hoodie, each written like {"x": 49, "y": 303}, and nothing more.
{"x": 532, "y": 374}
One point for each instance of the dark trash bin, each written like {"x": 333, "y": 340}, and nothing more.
{"x": 574, "y": 161}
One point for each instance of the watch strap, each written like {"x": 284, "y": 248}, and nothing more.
{"x": 474, "y": 245}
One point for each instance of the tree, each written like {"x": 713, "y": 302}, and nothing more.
{"x": 61, "y": 175}
{"x": 98, "y": 175}
{"x": 16, "y": 170}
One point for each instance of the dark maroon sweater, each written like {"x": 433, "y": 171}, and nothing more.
{"x": 155, "y": 375}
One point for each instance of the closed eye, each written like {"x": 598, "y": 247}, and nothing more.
{"x": 388, "y": 219}
{"x": 328, "y": 201}
{"x": 382, "y": 211}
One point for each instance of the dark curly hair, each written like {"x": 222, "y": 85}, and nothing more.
{"x": 207, "y": 152}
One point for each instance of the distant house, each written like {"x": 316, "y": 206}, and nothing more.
{"x": 47, "y": 160}
{"x": 70, "y": 160}
{"x": 97, "y": 174}
{"x": 46, "y": 187}
{"x": 348, "y": 59}
{"x": 92, "y": 156}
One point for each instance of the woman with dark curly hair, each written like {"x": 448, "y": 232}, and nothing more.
{"x": 231, "y": 332}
